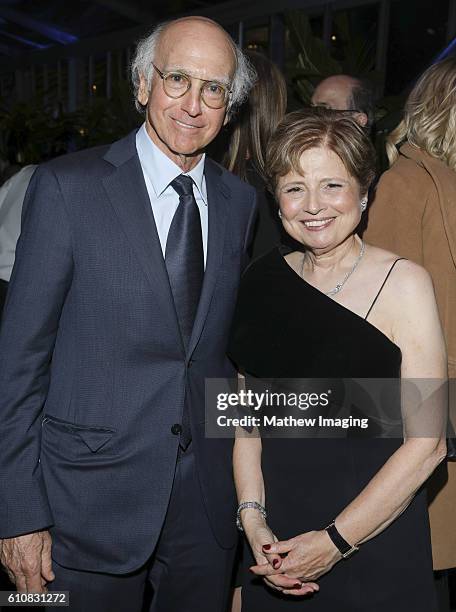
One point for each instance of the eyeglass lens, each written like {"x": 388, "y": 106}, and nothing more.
{"x": 177, "y": 84}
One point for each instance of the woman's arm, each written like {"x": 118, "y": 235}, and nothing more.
{"x": 417, "y": 331}
{"x": 249, "y": 483}
{"x": 248, "y": 477}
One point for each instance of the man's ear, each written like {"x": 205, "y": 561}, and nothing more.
{"x": 360, "y": 118}
{"x": 143, "y": 92}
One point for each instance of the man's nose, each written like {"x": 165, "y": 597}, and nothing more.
{"x": 191, "y": 101}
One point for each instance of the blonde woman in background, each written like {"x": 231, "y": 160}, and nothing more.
{"x": 252, "y": 129}
{"x": 414, "y": 215}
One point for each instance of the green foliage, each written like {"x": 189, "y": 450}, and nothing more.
{"x": 311, "y": 60}
{"x": 358, "y": 51}
{"x": 35, "y": 131}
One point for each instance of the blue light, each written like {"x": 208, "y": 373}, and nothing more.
{"x": 447, "y": 51}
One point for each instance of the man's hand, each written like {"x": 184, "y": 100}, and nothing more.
{"x": 27, "y": 559}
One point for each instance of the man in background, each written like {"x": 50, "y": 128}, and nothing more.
{"x": 342, "y": 92}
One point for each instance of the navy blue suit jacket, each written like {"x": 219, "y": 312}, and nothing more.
{"x": 93, "y": 371}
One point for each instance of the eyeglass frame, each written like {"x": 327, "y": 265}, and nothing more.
{"x": 337, "y": 110}
{"x": 164, "y": 75}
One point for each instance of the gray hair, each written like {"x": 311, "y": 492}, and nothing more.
{"x": 243, "y": 80}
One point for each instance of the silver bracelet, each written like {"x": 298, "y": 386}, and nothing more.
{"x": 248, "y": 504}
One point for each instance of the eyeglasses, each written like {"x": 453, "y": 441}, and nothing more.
{"x": 336, "y": 110}
{"x": 177, "y": 83}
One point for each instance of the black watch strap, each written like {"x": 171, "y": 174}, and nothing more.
{"x": 342, "y": 545}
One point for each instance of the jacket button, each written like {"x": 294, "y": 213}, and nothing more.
{"x": 176, "y": 429}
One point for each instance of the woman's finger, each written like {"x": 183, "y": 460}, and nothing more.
{"x": 274, "y": 560}
{"x": 307, "y": 588}
{"x": 264, "y": 570}
{"x": 283, "y": 582}
{"x": 278, "y": 547}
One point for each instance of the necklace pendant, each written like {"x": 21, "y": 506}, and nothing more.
{"x": 339, "y": 286}
{"x": 336, "y": 289}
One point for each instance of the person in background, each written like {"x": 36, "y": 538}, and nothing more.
{"x": 12, "y": 194}
{"x": 414, "y": 214}
{"x": 252, "y": 129}
{"x": 342, "y": 92}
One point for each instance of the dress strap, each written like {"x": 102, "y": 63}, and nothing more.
{"x": 383, "y": 284}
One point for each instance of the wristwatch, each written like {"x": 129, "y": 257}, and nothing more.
{"x": 345, "y": 549}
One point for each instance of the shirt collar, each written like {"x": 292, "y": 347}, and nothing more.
{"x": 161, "y": 170}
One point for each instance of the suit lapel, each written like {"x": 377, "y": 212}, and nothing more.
{"x": 217, "y": 194}
{"x": 128, "y": 195}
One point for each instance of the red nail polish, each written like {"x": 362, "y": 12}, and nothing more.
{"x": 266, "y": 546}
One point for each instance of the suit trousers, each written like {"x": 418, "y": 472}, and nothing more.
{"x": 188, "y": 571}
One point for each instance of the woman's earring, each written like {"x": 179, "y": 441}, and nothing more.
{"x": 279, "y": 212}
{"x": 363, "y": 204}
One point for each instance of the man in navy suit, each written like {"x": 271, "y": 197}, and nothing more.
{"x": 118, "y": 310}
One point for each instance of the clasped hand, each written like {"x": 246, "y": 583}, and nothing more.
{"x": 292, "y": 565}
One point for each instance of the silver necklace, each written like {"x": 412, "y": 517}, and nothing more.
{"x": 339, "y": 286}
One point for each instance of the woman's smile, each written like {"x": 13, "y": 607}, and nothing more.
{"x": 316, "y": 225}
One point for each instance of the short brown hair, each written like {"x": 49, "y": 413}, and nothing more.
{"x": 320, "y": 127}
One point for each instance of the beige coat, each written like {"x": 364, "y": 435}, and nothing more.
{"x": 414, "y": 215}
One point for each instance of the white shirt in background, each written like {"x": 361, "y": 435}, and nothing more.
{"x": 12, "y": 195}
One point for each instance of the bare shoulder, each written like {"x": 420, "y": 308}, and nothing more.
{"x": 408, "y": 283}
{"x": 405, "y": 271}
{"x": 408, "y": 312}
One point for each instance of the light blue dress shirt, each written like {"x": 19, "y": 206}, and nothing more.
{"x": 159, "y": 171}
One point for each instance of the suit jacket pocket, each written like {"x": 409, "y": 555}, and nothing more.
{"x": 94, "y": 438}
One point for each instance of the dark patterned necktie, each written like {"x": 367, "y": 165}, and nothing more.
{"x": 184, "y": 260}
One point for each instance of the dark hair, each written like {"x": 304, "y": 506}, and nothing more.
{"x": 362, "y": 99}
{"x": 320, "y": 127}
{"x": 257, "y": 118}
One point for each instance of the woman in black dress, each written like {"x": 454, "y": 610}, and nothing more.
{"x": 336, "y": 309}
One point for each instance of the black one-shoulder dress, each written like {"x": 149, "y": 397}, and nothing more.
{"x": 284, "y": 327}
